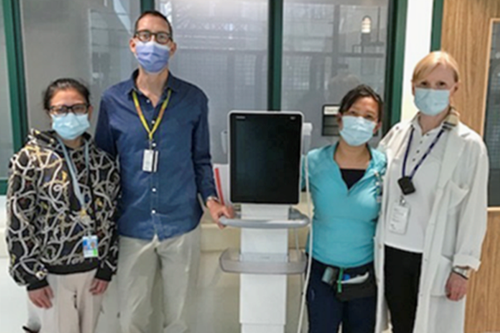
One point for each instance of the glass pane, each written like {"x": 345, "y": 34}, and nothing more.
{"x": 86, "y": 40}
{"x": 329, "y": 48}
{"x": 492, "y": 123}
{"x": 6, "y": 150}
{"x": 222, "y": 48}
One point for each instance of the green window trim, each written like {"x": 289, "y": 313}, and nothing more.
{"x": 16, "y": 76}
{"x": 396, "y": 38}
{"x": 275, "y": 54}
{"x": 147, "y": 5}
{"x": 437, "y": 24}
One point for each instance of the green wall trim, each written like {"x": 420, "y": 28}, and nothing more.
{"x": 16, "y": 75}
{"x": 275, "y": 54}
{"x": 15, "y": 64}
{"x": 396, "y": 39}
{"x": 147, "y": 5}
{"x": 3, "y": 186}
{"x": 437, "y": 24}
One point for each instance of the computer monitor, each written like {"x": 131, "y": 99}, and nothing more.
{"x": 265, "y": 157}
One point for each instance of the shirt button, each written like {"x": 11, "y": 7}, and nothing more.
{"x": 148, "y": 101}
{"x": 153, "y": 145}
{"x": 153, "y": 189}
{"x": 153, "y": 122}
{"x": 418, "y": 151}
{"x": 153, "y": 212}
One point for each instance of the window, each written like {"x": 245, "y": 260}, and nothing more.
{"x": 329, "y": 47}
{"x": 492, "y": 123}
{"x": 86, "y": 40}
{"x": 222, "y": 48}
{"x": 6, "y": 138}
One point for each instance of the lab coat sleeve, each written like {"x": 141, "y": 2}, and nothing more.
{"x": 473, "y": 215}
{"x": 201, "y": 154}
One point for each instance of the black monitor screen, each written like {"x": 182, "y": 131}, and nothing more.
{"x": 265, "y": 150}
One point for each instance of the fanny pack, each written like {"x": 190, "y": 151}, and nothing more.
{"x": 351, "y": 283}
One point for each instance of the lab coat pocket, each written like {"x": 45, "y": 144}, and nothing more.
{"x": 441, "y": 277}
{"x": 457, "y": 194}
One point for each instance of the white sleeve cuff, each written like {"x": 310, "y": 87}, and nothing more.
{"x": 460, "y": 260}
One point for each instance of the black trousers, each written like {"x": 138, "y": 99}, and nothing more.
{"x": 402, "y": 277}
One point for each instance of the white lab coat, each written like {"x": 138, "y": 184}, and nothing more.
{"x": 455, "y": 230}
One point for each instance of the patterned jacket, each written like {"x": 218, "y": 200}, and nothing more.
{"x": 44, "y": 232}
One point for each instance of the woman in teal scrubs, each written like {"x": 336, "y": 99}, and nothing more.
{"x": 344, "y": 181}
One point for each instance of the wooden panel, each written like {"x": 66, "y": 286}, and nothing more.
{"x": 466, "y": 35}
{"x": 483, "y": 307}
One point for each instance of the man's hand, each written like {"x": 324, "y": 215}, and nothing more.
{"x": 217, "y": 210}
{"x": 456, "y": 287}
{"x": 41, "y": 297}
{"x": 98, "y": 287}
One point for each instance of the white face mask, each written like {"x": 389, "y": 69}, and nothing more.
{"x": 431, "y": 102}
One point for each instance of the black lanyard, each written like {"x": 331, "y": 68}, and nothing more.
{"x": 423, "y": 157}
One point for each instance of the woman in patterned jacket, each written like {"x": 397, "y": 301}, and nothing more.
{"x": 61, "y": 199}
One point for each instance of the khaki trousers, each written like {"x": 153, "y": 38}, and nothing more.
{"x": 177, "y": 261}
{"x": 74, "y": 309}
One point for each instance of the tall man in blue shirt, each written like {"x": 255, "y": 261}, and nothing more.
{"x": 157, "y": 127}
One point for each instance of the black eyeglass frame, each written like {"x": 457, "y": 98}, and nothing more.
{"x": 61, "y": 110}
{"x": 167, "y": 35}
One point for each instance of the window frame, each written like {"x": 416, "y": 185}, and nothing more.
{"x": 394, "y": 62}
{"x": 16, "y": 76}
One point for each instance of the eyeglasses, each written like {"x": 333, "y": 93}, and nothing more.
{"x": 61, "y": 110}
{"x": 160, "y": 37}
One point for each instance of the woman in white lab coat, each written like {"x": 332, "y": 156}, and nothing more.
{"x": 434, "y": 210}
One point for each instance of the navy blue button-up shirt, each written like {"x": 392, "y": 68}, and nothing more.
{"x": 163, "y": 203}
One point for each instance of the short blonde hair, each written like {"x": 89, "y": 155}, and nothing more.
{"x": 431, "y": 61}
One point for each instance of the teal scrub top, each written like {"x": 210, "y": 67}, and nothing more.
{"x": 344, "y": 219}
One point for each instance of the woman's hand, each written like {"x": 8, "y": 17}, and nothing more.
{"x": 41, "y": 297}
{"x": 98, "y": 287}
{"x": 456, "y": 287}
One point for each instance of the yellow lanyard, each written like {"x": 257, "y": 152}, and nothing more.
{"x": 151, "y": 132}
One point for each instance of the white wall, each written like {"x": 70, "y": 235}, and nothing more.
{"x": 418, "y": 44}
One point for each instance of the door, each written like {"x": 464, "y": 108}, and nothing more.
{"x": 471, "y": 33}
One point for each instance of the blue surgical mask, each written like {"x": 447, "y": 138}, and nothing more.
{"x": 70, "y": 126}
{"x": 356, "y": 131}
{"x": 431, "y": 102}
{"x": 152, "y": 57}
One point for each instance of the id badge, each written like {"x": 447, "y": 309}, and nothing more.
{"x": 90, "y": 246}
{"x": 400, "y": 216}
{"x": 149, "y": 160}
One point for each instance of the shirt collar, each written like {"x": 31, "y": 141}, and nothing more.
{"x": 172, "y": 83}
